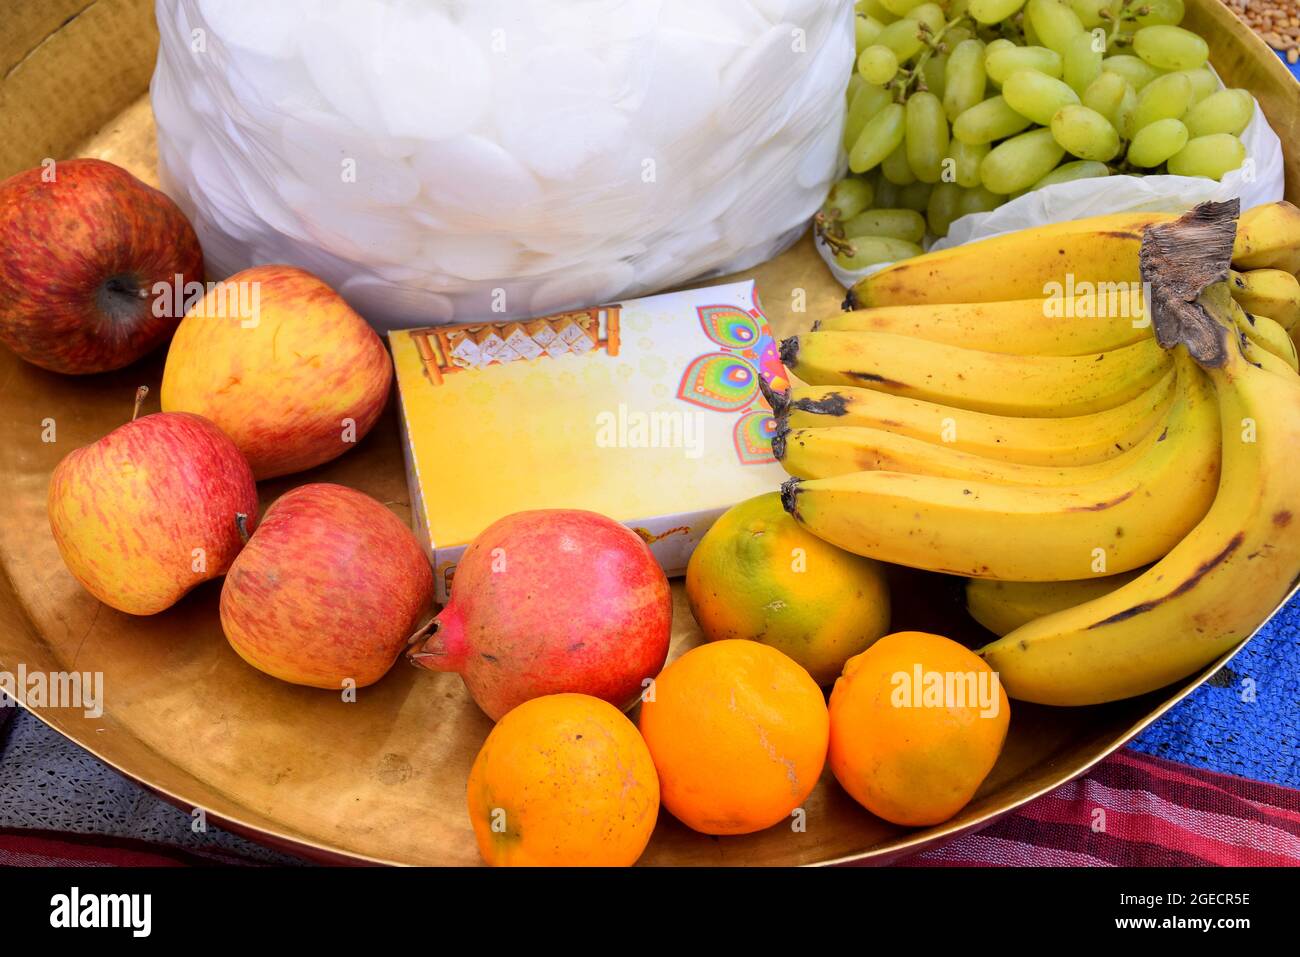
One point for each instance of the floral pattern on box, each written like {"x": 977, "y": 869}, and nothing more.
{"x": 727, "y": 380}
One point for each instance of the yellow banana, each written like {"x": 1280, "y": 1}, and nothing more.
{"x": 1213, "y": 589}
{"x": 1019, "y": 265}
{"x": 1257, "y": 355}
{"x": 1269, "y": 335}
{"x": 823, "y": 453}
{"x": 1071, "y": 440}
{"x": 1268, "y": 292}
{"x": 980, "y": 381}
{"x": 1045, "y": 327}
{"x": 982, "y": 529}
{"x": 1005, "y": 606}
{"x": 1028, "y": 263}
{"x": 1268, "y": 237}
{"x": 1263, "y": 341}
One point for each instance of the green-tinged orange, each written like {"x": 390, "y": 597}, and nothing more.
{"x": 758, "y": 575}
{"x": 917, "y": 723}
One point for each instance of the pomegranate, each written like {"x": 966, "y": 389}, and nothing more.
{"x": 548, "y": 602}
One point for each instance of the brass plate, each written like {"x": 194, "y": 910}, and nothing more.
{"x": 383, "y": 779}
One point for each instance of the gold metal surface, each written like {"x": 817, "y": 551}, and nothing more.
{"x": 383, "y": 779}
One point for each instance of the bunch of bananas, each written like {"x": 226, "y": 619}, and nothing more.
{"x": 1120, "y": 480}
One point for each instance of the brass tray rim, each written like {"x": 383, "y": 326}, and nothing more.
{"x": 913, "y": 842}
{"x": 1263, "y": 62}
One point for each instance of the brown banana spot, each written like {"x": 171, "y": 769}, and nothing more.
{"x": 1102, "y": 506}
{"x": 1202, "y": 570}
{"x": 875, "y": 377}
{"x": 831, "y": 404}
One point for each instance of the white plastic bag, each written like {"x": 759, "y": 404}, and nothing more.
{"x": 1259, "y": 180}
{"x": 437, "y": 160}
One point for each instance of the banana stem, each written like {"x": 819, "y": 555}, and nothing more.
{"x": 1180, "y": 263}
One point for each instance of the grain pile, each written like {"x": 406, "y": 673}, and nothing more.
{"x": 1276, "y": 21}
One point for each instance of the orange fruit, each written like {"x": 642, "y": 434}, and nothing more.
{"x": 738, "y": 733}
{"x": 917, "y": 722}
{"x": 758, "y": 574}
{"x": 563, "y": 780}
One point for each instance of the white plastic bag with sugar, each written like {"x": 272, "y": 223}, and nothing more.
{"x": 1259, "y": 180}
{"x": 444, "y": 160}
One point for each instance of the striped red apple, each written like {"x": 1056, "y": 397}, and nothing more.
{"x": 283, "y": 365}
{"x": 151, "y": 510}
{"x": 85, "y": 248}
{"x": 328, "y": 589}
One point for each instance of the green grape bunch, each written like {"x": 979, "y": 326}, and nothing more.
{"x": 957, "y": 106}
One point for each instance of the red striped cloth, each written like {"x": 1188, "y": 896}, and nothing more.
{"x": 1134, "y": 810}
{"x": 30, "y": 848}
{"x": 1131, "y": 810}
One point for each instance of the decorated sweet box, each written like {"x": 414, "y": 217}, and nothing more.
{"x": 648, "y": 411}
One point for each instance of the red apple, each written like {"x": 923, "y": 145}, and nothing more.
{"x": 328, "y": 589}
{"x": 283, "y": 364}
{"x": 553, "y": 601}
{"x": 85, "y": 252}
{"x": 150, "y": 510}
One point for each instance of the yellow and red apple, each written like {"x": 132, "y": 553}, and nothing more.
{"x": 85, "y": 252}
{"x": 328, "y": 589}
{"x": 151, "y": 510}
{"x": 282, "y": 364}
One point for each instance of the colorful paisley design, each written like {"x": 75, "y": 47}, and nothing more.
{"x": 720, "y": 381}
{"x": 730, "y": 327}
{"x": 753, "y": 437}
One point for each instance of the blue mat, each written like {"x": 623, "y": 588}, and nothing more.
{"x": 1246, "y": 719}
{"x": 1293, "y": 67}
